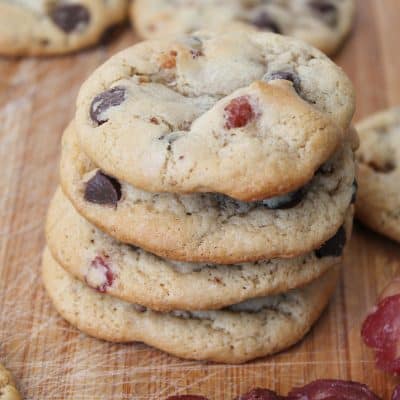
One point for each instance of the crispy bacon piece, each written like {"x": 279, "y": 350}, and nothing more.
{"x": 381, "y": 329}
{"x": 187, "y": 397}
{"x": 396, "y": 393}
{"x": 326, "y": 389}
{"x": 260, "y": 394}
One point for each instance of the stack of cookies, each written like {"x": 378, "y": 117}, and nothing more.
{"x": 207, "y": 196}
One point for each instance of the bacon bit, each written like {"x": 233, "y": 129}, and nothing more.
{"x": 168, "y": 61}
{"x": 100, "y": 275}
{"x": 238, "y": 113}
{"x": 151, "y": 27}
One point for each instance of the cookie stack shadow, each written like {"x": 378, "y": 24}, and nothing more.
{"x": 207, "y": 220}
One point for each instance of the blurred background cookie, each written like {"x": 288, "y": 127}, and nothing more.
{"x": 322, "y": 23}
{"x": 45, "y": 27}
{"x": 378, "y": 203}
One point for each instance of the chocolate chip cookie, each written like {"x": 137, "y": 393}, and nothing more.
{"x": 45, "y": 27}
{"x": 248, "y": 115}
{"x": 207, "y": 227}
{"x": 322, "y": 23}
{"x": 137, "y": 276}
{"x": 235, "y": 334}
{"x": 8, "y": 391}
{"x": 378, "y": 204}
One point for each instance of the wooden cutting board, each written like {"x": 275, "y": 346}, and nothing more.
{"x": 53, "y": 361}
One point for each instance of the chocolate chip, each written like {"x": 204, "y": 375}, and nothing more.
{"x": 289, "y": 200}
{"x": 334, "y": 246}
{"x": 322, "y": 6}
{"x": 232, "y": 206}
{"x": 196, "y": 53}
{"x": 326, "y": 169}
{"x": 287, "y": 76}
{"x": 70, "y": 17}
{"x": 265, "y": 22}
{"x": 103, "y": 189}
{"x": 139, "y": 308}
{"x": 111, "y": 33}
{"x": 383, "y": 168}
{"x": 355, "y": 190}
{"x": 326, "y": 10}
{"x": 105, "y": 100}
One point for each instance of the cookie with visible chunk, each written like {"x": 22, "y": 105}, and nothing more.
{"x": 247, "y": 115}
{"x": 378, "y": 203}
{"x": 207, "y": 227}
{"x": 136, "y": 276}
{"x": 236, "y": 334}
{"x": 8, "y": 391}
{"x": 47, "y": 27}
{"x": 322, "y": 23}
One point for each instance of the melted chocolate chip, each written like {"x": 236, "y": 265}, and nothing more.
{"x": 287, "y": 76}
{"x": 105, "y": 100}
{"x": 265, "y": 22}
{"x": 334, "y": 246}
{"x": 103, "y": 189}
{"x": 70, "y": 17}
{"x": 326, "y": 10}
{"x": 289, "y": 200}
{"x": 355, "y": 190}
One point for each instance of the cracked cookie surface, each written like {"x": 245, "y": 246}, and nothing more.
{"x": 137, "y": 276}
{"x": 250, "y": 116}
{"x": 8, "y": 391}
{"x": 46, "y": 27}
{"x": 378, "y": 203}
{"x": 322, "y": 23}
{"x": 242, "y": 332}
{"x": 208, "y": 227}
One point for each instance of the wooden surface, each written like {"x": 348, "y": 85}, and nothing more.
{"x": 53, "y": 361}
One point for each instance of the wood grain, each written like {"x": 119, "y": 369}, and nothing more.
{"x": 51, "y": 360}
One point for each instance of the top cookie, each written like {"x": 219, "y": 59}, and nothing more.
{"x": 378, "y": 204}
{"x": 249, "y": 115}
{"x": 44, "y": 27}
{"x": 322, "y": 23}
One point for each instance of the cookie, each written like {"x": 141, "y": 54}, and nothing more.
{"x": 211, "y": 228}
{"x": 242, "y": 332}
{"x": 322, "y": 23}
{"x": 378, "y": 204}
{"x": 8, "y": 391}
{"x": 250, "y": 116}
{"x": 46, "y": 27}
{"x": 136, "y": 276}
